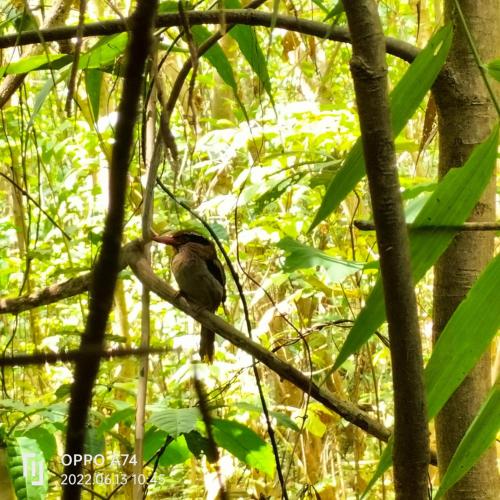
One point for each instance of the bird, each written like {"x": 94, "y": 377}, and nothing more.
{"x": 200, "y": 277}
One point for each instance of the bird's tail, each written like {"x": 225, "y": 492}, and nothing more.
{"x": 207, "y": 344}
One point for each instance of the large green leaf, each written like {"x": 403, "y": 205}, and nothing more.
{"x": 93, "y": 83}
{"x": 104, "y": 52}
{"x": 465, "y": 337}
{"x": 249, "y": 45}
{"x": 405, "y": 99}
{"x": 244, "y": 444}
{"x": 31, "y": 63}
{"x": 215, "y": 56}
{"x": 301, "y": 256}
{"x": 493, "y": 69}
{"x": 450, "y": 204}
{"x": 478, "y": 438}
{"x": 177, "y": 452}
{"x": 45, "y": 438}
{"x": 154, "y": 439}
{"x": 175, "y": 421}
{"x": 101, "y": 55}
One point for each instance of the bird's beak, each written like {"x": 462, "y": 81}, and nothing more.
{"x": 165, "y": 239}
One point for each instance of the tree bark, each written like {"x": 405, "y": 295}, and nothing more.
{"x": 466, "y": 117}
{"x": 369, "y": 71}
{"x": 105, "y": 272}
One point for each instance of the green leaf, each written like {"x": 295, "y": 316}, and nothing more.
{"x": 478, "y": 438}
{"x": 450, "y": 204}
{"x": 321, "y": 5}
{"x": 216, "y": 57}
{"x": 175, "y": 421}
{"x": 31, "y": 63}
{"x": 123, "y": 415}
{"x": 336, "y": 11}
{"x": 104, "y": 52}
{"x": 300, "y": 256}
{"x": 278, "y": 188}
{"x": 177, "y": 452}
{"x": 384, "y": 463}
{"x": 244, "y": 444}
{"x": 154, "y": 439}
{"x": 42, "y": 95}
{"x": 405, "y": 99}
{"x": 168, "y": 6}
{"x": 493, "y": 68}
{"x": 249, "y": 45}
{"x": 46, "y": 440}
{"x": 465, "y": 337}
{"x": 93, "y": 82}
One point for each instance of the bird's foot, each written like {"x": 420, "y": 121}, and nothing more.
{"x": 197, "y": 308}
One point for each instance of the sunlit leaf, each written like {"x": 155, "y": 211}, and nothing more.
{"x": 177, "y": 452}
{"x": 301, "y": 256}
{"x": 27, "y": 468}
{"x": 215, "y": 55}
{"x": 244, "y": 444}
{"x": 31, "y": 63}
{"x": 104, "y": 52}
{"x": 93, "y": 82}
{"x": 175, "y": 421}
{"x": 249, "y": 45}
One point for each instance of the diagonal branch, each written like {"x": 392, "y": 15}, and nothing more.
{"x": 352, "y": 413}
{"x": 46, "y": 296}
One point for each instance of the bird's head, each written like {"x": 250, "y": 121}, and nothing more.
{"x": 178, "y": 239}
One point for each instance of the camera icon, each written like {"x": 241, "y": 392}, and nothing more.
{"x": 33, "y": 469}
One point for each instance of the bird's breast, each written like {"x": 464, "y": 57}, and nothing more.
{"x": 196, "y": 281}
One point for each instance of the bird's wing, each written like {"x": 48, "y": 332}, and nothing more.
{"x": 217, "y": 271}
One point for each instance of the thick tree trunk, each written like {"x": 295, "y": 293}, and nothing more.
{"x": 466, "y": 116}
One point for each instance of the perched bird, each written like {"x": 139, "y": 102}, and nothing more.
{"x": 200, "y": 276}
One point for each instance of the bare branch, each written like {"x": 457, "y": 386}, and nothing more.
{"x": 49, "y": 295}
{"x": 249, "y": 17}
